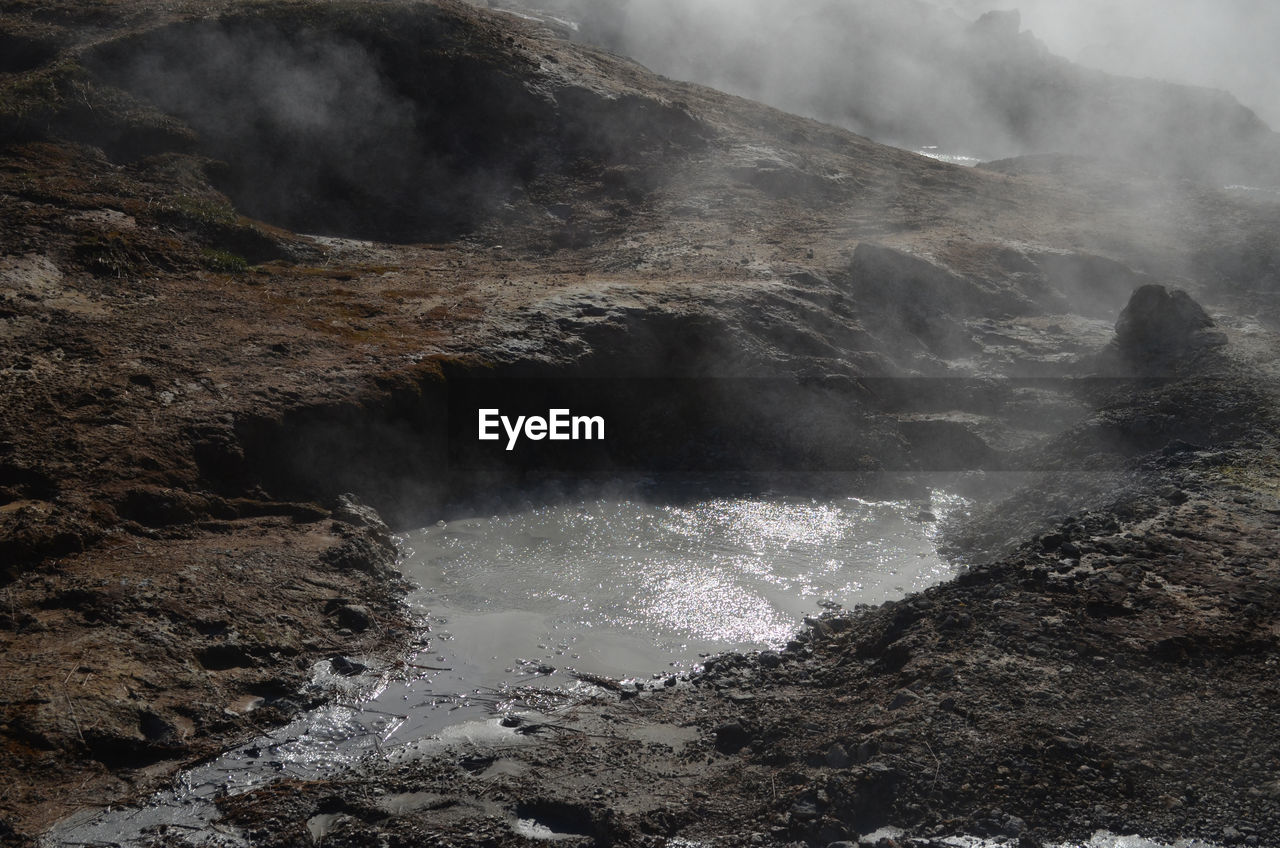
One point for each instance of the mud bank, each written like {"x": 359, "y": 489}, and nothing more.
{"x": 190, "y": 391}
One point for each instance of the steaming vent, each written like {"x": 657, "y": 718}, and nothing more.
{"x": 366, "y": 127}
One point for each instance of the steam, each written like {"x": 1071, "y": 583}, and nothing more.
{"x": 1224, "y": 44}
{"x": 957, "y": 76}
{"x": 314, "y": 134}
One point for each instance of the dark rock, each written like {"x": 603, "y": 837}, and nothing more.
{"x": 731, "y": 737}
{"x": 831, "y": 831}
{"x": 225, "y": 655}
{"x": 1051, "y": 542}
{"x": 903, "y": 698}
{"x": 866, "y": 750}
{"x": 156, "y": 728}
{"x": 998, "y": 823}
{"x": 1158, "y": 324}
{"x": 346, "y": 666}
{"x": 819, "y": 628}
{"x": 355, "y": 617}
{"x": 804, "y": 809}
{"x": 838, "y": 757}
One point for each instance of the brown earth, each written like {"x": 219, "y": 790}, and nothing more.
{"x": 188, "y": 392}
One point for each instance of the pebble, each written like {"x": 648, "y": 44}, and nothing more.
{"x": 731, "y": 736}
{"x": 346, "y": 666}
{"x": 804, "y": 810}
{"x": 355, "y": 617}
{"x": 903, "y": 698}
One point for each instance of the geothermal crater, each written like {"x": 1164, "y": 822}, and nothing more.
{"x": 263, "y": 264}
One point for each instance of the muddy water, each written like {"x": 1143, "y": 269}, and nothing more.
{"x": 624, "y": 587}
{"x": 521, "y": 604}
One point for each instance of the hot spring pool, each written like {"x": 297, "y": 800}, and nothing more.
{"x": 521, "y": 602}
{"x": 624, "y": 587}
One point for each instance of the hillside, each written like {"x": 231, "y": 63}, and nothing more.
{"x": 918, "y": 75}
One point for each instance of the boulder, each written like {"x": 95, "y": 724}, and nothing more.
{"x": 1163, "y": 325}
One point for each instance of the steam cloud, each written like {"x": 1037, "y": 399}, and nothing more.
{"x": 922, "y": 73}
{"x": 316, "y": 135}
{"x": 1226, "y": 44}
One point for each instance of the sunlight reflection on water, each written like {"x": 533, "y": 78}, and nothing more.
{"x": 719, "y": 573}
{"x": 950, "y": 158}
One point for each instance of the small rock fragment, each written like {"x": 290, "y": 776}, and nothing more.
{"x": 346, "y": 666}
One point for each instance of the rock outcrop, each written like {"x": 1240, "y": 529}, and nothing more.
{"x": 1163, "y": 326}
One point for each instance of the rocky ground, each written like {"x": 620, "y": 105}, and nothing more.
{"x": 192, "y": 386}
{"x": 1115, "y": 673}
